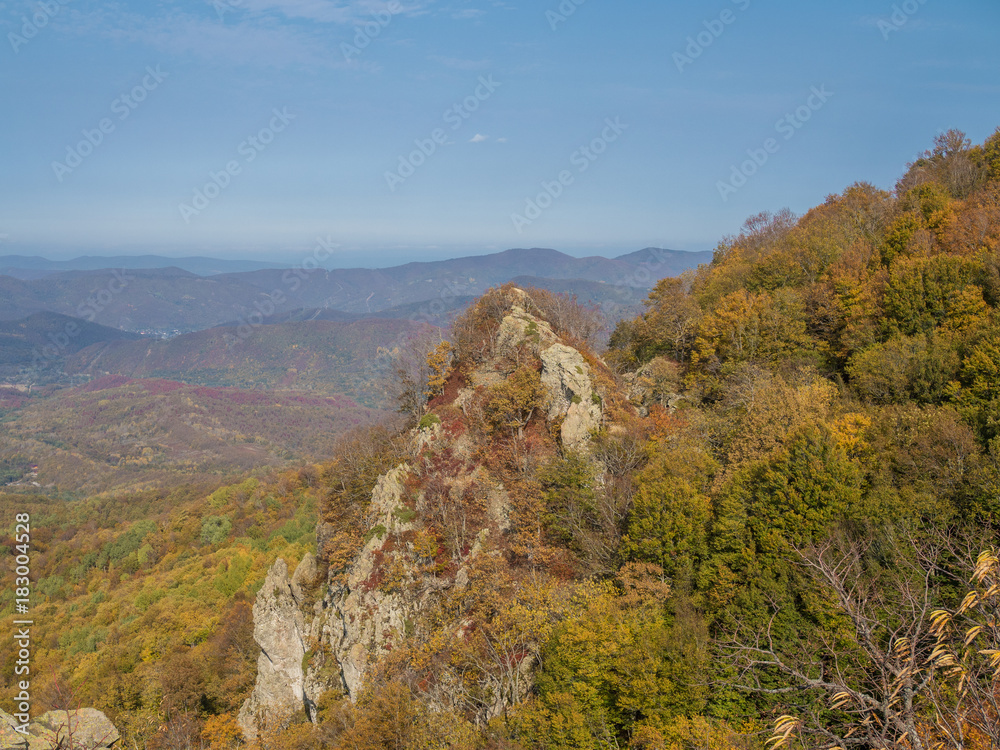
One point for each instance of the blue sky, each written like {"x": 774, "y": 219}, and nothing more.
{"x": 431, "y": 128}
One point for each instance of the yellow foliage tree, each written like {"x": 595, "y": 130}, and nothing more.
{"x": 439, "y": 364}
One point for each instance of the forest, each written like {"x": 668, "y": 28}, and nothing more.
{"x": 783, "y": 532}
{"x": 116, "y": 433}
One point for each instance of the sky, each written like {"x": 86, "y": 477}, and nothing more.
{"x": 424, "y": 129}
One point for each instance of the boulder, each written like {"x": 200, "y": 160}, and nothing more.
{"x": 567, "y": 381}
{"x": 82, "y": 729}
{"x": 8, "y": 737}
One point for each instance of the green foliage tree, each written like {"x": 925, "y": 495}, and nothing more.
{"x": 668, "y": 527}
{"x": 924, "y": 293}
{"x": 923, "y": 368}
{"x": 570, "y": 499}
{"x": 980, "y": 374}
{"x": 215, "y": 529}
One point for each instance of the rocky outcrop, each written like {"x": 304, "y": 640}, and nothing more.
{"x": 656, "y": 382}
{"x": 566, "y": 375}
{"x": 322, "y": 631}
{"x": 567, "y": 379}
{"x": 311, "y": 644}
{"x": 364, "y": 618}
{"x": 519, "y": 327}
{"x": 82, "y": 729}
{"x": 279, "y": 628}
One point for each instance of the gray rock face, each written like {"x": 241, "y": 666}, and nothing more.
{"x": 566, "y": 375}
{"x": 519, "y": 327}
{"x": 566, "y": 378}
{"x": 83, "y": 729}
{"x": 278, "y": 629}
{"x": 363, "y": 620}
{"x": 307, "y": 649}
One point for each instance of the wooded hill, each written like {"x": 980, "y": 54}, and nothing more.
{"x": 350, "y": 358}
{"x": 783, "y": 527}
{"x": 118, "y": 433}
{"x": 35, "y": 348}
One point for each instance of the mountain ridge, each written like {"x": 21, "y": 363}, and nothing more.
{"x": 177, "y": 300}
{"x": 30, "y": 266}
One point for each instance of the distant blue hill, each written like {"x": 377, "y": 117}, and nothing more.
{"x": 189, "y": 295}
{"x": 30, "y": 267}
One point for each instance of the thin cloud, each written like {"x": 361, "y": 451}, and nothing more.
{"x": 459, "y": 63}
{"x": 329, "y": 11}
{"x": 241, "y": 40}
{"x": 266, "y": 33}
{"x": 479, "y": 138}
{"x": 242, "y": 44}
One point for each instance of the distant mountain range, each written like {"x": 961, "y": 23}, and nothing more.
{"x": 31, "y": 267}
{"x": 177, "y": 299}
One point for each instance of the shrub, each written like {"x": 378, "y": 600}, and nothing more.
{"x": 429, "y": 420}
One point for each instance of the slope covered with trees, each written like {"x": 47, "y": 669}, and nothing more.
{"x": 839, "y": 372}
{"x": 775, "y": 543}
{"x": 142, "y": 599}
{"x": 352, "y": 358}
{"x": 117, "y": 433}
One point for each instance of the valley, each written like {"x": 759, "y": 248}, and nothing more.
{"x": 164, "y": 354}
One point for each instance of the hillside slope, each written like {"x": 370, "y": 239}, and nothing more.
{"x": 428, "y": 569}
{"x": 117, "y": 432}
{"x": 322, "y": 356}
{"x": 40, "y": 344}
{"x": 777, "y": 530}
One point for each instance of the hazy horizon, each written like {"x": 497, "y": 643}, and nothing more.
{"x": 341, "y": 258}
